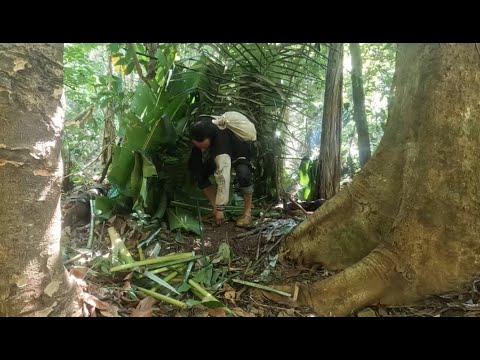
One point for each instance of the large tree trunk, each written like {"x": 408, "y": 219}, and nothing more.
{"x": 359, "y": 105}
{"x": 408, "y": 224}
{"x": 33, "y": 281}
{"x": 328, "y": 183}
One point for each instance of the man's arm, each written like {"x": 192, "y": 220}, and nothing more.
{"x": 210, "y": 194}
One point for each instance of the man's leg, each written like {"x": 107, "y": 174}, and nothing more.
{"x": 245, "y": 181}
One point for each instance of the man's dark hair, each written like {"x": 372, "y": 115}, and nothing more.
{"x": 203, "y": 128}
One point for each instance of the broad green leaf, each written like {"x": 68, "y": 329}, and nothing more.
{"x": 122, "y": 166}
{"x": 143, "y": 101}
{"x": 192, "y": 302}
{"x": 104, "y": 207}
{"x": 162, "y": 134}
{"x": 183, "y": 219}
{"x": 304, "y": 172}
{"x": 184, "y": 287}
{"x": 142, "y": 200}
{"x": 123, "y": 160}
{"x": 136, "y": 177}
{"x": 199, "y": 276}
{"x": 175, "y": 104}
{"x": 129, "y": 68}
{"x": 211, "y": 302}
{"x": 148, "y": 169}
{"x": 208, "y": 275}
{"x": 306, "y": 193}
{"x": 135, "y": 136}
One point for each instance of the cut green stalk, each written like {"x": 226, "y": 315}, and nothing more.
{"x": 176, "y": 280}
{"x": 263, "y": 287}
{"x": 140, "y": 253}
{"x": 163, "y": 298}
{"x": 118, "y": 247}
{"x": 175, "y": 262}
{"x": 158, "y": 260}
{"x": 200, "y": 289}
{"x": 170, "y": 277}
{"x": 197, "y": 293}
{"x": 166, "y": 268}
{"x": 92, "y": 224}
{"x": 206, "y": 296}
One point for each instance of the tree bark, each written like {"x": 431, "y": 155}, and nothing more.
{"x": 329, "y": 181}
{"x": 109, "y": 130}
{"x": 407, "y": 226}
{"x": 359, "y": 104}
{"x": 33, "y": 281}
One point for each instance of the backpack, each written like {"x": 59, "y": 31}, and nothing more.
{"x": 238, "y": 123}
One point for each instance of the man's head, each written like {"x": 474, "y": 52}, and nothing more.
{"x": 202, "y": 132}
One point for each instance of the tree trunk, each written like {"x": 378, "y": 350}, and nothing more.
{"x": 329, "y": 181}
{"x": 407, "y": 226}
{"x": 109, "y": 130}
{"x": 359, "y": 105}
{"x": 33, "y": 281}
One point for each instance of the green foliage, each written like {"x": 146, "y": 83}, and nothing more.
{"x": 278, "y": 86}
{"x": 88, "y": 85}
{"x": 307, "y": 174}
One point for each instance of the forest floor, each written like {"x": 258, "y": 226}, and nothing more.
{"x": 231, "y": 255}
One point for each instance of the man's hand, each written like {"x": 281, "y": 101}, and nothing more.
{"x": 219, "y": 217}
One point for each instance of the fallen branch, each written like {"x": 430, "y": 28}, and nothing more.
{"x": 299, "y": 206}
{"x": 92, "y": 223}
{"x": 163, "y": 298}
{"x": 251, "y": 232}
{"x": 276, "y": 243}
{"x": 266, "y": 211}
{"x": 258, "y": 246}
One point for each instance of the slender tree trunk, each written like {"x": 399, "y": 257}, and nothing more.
{"x": 109, "y": 127}
{"x": 408, "y": 224}
{"x": 359, "y": 104}
{"x": 329, "y": 176}
{"x": 33, "y": 281}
